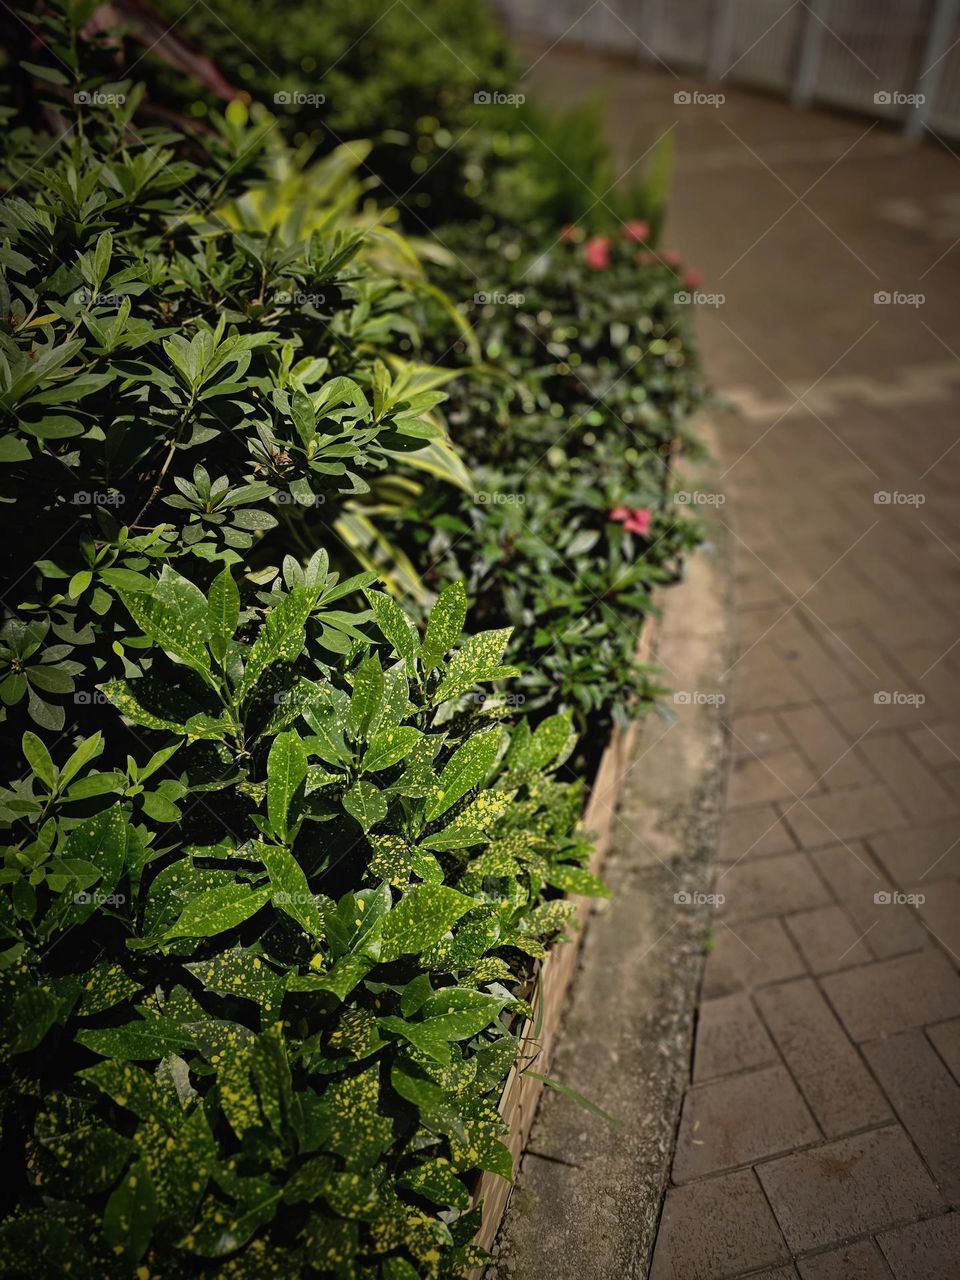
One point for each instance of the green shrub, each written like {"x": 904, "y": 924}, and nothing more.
{"x": 589, "y": 376}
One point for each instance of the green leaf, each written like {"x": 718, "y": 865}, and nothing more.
{"x": 175, "y": 617}
{"x": 466, "y": 769}
{"x": 420, "y": 919}
{"x": 137, "y": 1041}
{"x": 389, "y": 747}
{"x": 436, "y": 1180}
{"x": 290, "y": 890}
{"x": 88, "y": 750}
{"x": 367, "y": 694}
{"x": 286, "y": 775}
{"x": 445, "y": 625}
{"x": 131, "y": 1213}
{"x": 478, "y": 660}
{"x": 281, "y": 638}
{"x": 396, "y": 627}
{"x": 38, "y": 757}
{"x": 224, "y": 613}
{"x": 216, "y": 910}
{"x": 365, "y": 802}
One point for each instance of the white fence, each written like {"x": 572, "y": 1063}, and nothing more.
{"x": 897, "y": 59}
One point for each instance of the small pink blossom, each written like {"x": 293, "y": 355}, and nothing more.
{"x": 672, "y": 258}
{"x": 633, "y": 519}
{"x": 636, "y": 229}
{"x": 596, "y": 253}
{"x": 693, "y": 279}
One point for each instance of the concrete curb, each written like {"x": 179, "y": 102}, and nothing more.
{"x": 588, "y": 1195}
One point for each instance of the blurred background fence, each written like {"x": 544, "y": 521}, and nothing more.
{"x": 895, "y": 59}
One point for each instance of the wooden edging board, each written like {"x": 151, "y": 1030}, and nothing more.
{"x": 521, "y": 1093}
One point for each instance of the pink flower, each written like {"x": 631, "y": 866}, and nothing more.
{"x": 639, "y": 521}
{"x": 672, "y": 258}
{"x": 693, "y": 279}
{"x": 596, "y": 253}
{"x": 633, "y": 519}
{"x": 636, "y": 229}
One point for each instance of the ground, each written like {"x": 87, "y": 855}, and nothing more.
{"x": 819, "y": 1132}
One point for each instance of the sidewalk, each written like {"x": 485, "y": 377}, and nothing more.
{"x": 820, "y": 1135}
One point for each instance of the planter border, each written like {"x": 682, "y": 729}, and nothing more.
{"x": 538, "y": 1039}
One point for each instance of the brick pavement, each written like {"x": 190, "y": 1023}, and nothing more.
{"x": 820, "y": 1131}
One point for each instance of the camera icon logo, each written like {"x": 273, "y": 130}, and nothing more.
{"x": 882, "y": 699}
{"x": 882, "y": 298}
{"x": 482, "y": 97}
{"x": 882, "y": 898}
{"x": 682, "y": 698}
{"x": 282, "y": 98}
{"x": 883, "y": 98}
{"x": 682, "y": 898}
{"x": 682, "y": 97}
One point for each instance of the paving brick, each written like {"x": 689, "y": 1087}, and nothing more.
{"x": 918, "y": 790}
{"x": 829, "y": 751}
{"x": 887, "y": 996}
{"x": 861, "y": 1261}
{"x": 757, "y": 735}
{"x": 931, "y": 850}
{"x": 837, "y": 1086}
{"x": 938, "y": 743}
{"x": 861, "y": 714}
{"x": 781, "y": 775}
{"x": 717, "y": 1228}
{"x": 738, "y": 1119}
{"x": 854, "y": 876}
{"x": 749, "y": 955}
{"x": 852, "y": 1187}
{"x": 827, "y": 939}
{"x": 770, "y": 887}
{"x": 927, "y": 1250}
{"x": 766, "y": 684}
{"x": 926, "y": 1098}
{"x": 751, "y": 833}
{"x": 730, "y": 1037}
{"x": 817, "y": 659}
{"x": 946, "y": 1040}
{"x": 940, "y": 912}
{"x": 844, "y": 815}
